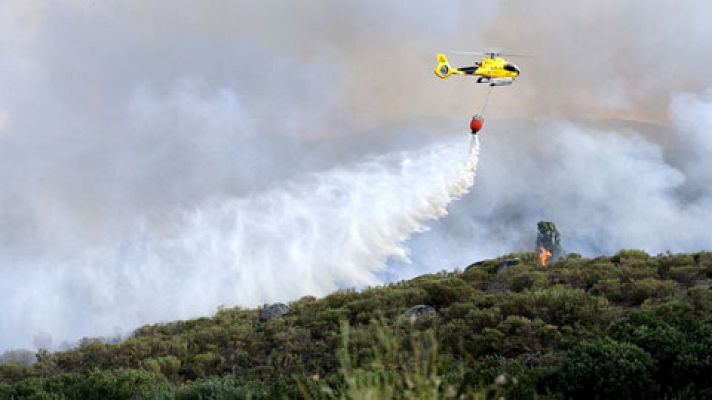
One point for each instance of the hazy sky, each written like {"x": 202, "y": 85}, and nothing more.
{"x": 108, "y": 109}
{"x": 118, "y": 116}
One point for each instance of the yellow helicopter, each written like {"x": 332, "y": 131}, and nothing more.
{"x": 492, "y": 69}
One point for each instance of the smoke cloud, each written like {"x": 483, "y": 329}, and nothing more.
{"x": 607, "y": 185}
{"x": 134, "y": 137}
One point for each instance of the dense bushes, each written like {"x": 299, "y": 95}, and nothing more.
{"x": 604, "y": 368}
{"x": 627, "y": 326}
{"x": 94, "y": 385}
{"x": 222, "y": 388}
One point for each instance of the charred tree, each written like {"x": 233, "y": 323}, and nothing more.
{"x": 548, "y": 238}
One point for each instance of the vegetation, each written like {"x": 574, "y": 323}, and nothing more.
{"x": 631, "y": 326}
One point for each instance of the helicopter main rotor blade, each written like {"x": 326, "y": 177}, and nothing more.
{"x": 489, "y": 54}
{"x": 517, "y": 55}
{"x": 468, "y": 53}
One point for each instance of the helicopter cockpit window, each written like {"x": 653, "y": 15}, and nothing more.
{"x": 511, "y": 68}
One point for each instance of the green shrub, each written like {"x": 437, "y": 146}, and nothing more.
{"x": 484, "y": 318}
{"x": 505, "y": 378}
{"x": 693, "y": 364}
{"x": 701, "y": 298}
{"x": 650, "y": 288}
{"x": 522, "y": 335}
{"x": 477, "y": 277}
{"x": 578, "y": 275}
{"x": 222, "y": 388}
{"x": 202, "y": 365}
{"x": 443, "y": 292}
{"x": 523, "y": 281}
{"x": 341, "y": 298}
{"x": 402, "y": 366}
{"x": 558, "y": 305}
{"x": 363, "y": 310}
{"x": 607, "y": 369}
{"x": 95, "y": 385}
{"x": 609, "y": 288}
{"x": 629, "y": 256}
{"x": 400, "y": 297}
{"x": 661, "y": 340}
{"x": 168, "y": 366}
{"x": 676, "y": 312}
{"x": 704, "y": 263}
{"x": 10, "y": 373}
{"x": 686, "y": 275}
{"x": 669, "y": 261}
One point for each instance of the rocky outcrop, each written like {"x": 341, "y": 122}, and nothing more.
{"x": 475, "y": 265}
{"x": 420, "y": 310}
{"x": 504, "y": 264}
{"x": 273, "y": 311}
{"x": 508, "y": 263}
{"x": 702, "y": 284}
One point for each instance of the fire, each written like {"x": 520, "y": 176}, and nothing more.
{"x": 544, "y": 255}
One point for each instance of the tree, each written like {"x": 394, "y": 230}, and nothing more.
{"x": 548, "y": 237}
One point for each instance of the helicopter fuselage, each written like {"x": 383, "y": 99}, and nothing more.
{"x": 495, "y": 71}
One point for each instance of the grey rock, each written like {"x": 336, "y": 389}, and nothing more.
{"x": 420, "y": 311}
{"x": 475, "y": 265}
{"x": 508, "y": 263}
{"x": 702, "y": 284}
{"x": 273, "y": 311}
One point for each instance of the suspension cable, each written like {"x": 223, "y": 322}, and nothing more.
{"x": 489, "y": 91}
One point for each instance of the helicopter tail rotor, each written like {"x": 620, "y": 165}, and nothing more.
{"x": 443, "y": 70}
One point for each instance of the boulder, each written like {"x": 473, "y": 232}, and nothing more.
{"x": 420, "y": 311}
{"x": 508, "y": 263}
{"x": 475, "y": 265}
{"x": 702, "y": 284}
{"x": 273, "y": 311}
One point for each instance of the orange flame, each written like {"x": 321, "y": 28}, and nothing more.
{"x": 544, "y": 255}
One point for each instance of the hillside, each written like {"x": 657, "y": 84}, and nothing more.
{"x": 628, "y": 326}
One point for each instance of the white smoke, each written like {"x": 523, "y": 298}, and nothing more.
{"x": 309, "y": 237}
{"x": 607, "y": 186}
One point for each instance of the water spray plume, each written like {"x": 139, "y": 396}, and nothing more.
{"x": 312, "y": 236}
